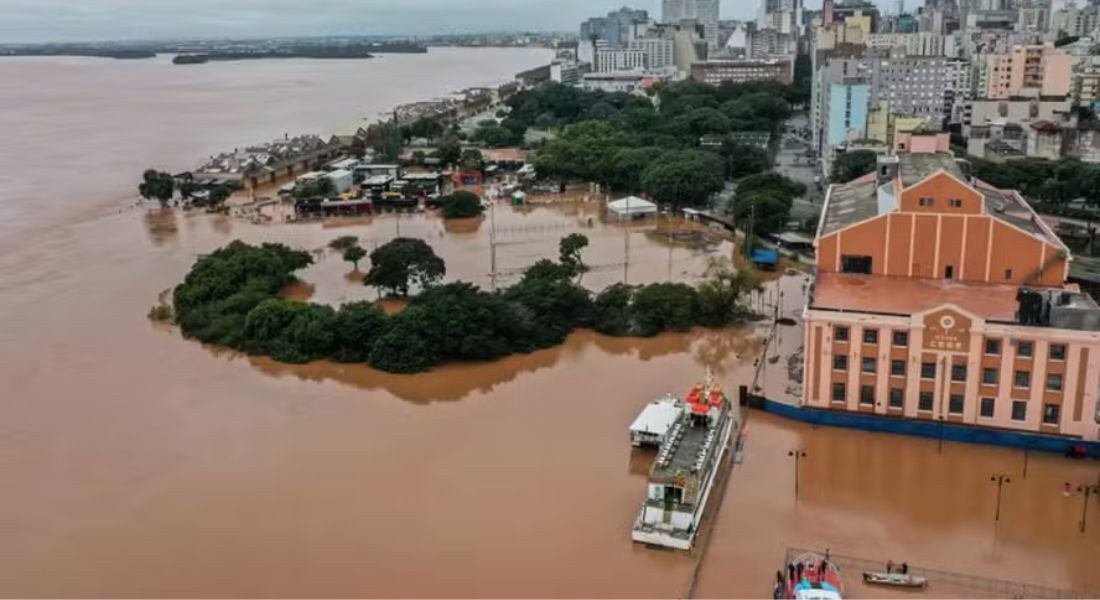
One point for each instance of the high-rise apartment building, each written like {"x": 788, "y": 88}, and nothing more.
{"x": 705, "y": 12}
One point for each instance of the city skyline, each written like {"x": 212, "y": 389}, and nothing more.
{"x": 37, "y": 21}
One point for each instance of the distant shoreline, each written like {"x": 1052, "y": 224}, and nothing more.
{"x": 190, "y": 54}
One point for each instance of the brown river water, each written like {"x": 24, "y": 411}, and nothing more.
{"x": 135, "y": 463}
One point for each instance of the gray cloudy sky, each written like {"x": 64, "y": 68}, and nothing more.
{"x": 69, "y": 20}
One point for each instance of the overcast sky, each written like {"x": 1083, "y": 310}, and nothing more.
{"x": 77, "y": 20}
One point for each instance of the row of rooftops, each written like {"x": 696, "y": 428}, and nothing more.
{"x": 271, "y": 156}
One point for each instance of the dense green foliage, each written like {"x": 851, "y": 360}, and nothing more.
{"x": 623, "y": 140}
{"x": 354, "y": 254}
{"x": 461, "y": 205}
{"x": 157, "y": 185}
{"x": 212, "y": 302}
{"x": 1055, "y": 182}
{"x": 231, "y": 298}
{"x": 320, "y": 187}
{"x": 344, "y": 242}
{"x": 853, "y": 165}
{"x": 404, "y": 262}
{"x": 766, "y": 199}
{"x": 387, "y": 140}
{"x": 684, "y": 177}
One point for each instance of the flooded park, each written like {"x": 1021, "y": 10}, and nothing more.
{"x": 137, "y": 463}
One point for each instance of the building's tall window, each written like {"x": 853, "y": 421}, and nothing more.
{"x": 1019, "y": 410}
{"x": 993, "y": 347}
{"x": 839, "y": 393}
{"x": 840, "y": 334}
{"x": 1057, "y": 352}
{"x": 840, "y": 362}
{"x": 901, "y": 338}
{"x": 1054, "y": 382}
{"x": 958, "y": 373}
{"x": 897, "y": 368}
{"x": 928, "y": 370}
{"x": 1022, "y": 379}
{"x": 986, "y": 409}
{"x": 868, "y": 365}
{"x": 924, "y": 402}
{"x": 870, "y": 336}
{"x": 867, "y": 395}
{"x": 955, "y": 404}
{"x": 1025, "y": 349}
{"x": 1051, "y": 414}
{"x": 989, "y": 376}
{"x": 897, "y": 397}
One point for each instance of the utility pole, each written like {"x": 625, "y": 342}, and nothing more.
{"x": 941, "y": 420}
{"x": 493, "y": 245}
{"x": 1000, "y": 480}
{"x": 797, "y": 455}
{"x": 626, "y": 244}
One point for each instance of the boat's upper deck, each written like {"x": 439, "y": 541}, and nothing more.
{"x": 688, "y": 448}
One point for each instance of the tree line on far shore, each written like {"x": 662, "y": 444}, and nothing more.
{"x": 231, "y": 298}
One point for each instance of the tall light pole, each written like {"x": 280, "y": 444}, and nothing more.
{"x": 941, "y": 420}
{"x": 798, "y": 455}
{"x": 1000, "y": 480}
{"x": 1027, "y": 452}
{"x": 1085, "y": 491}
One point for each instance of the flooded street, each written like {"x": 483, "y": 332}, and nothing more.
{"x": 137, "y": 463}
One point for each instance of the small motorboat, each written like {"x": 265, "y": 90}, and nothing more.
{"x": 894, "y": 579}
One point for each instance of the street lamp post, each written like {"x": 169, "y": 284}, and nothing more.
{"x": 1000, "y": 480}
{"x": 797, "y": 455}
{"x": 940, "y": 448}
{"x": 1027, "y": 453}
{"x": 1085, "y": 491}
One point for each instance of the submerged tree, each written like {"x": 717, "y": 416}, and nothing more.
{"x": 353, "y": 254}
{"x": 569, "y": 250}
{"x": 344, "y": 242}
{"x": 403, "y": 262}
{"x": 157, "y": 185}
{"x": 462, "y": 205}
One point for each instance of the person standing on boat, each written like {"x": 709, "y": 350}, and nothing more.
{"x": 904, "y": 568}
{"x": 889, "y": 567}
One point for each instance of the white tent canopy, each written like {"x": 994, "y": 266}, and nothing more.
{"x": 632, "y": 206}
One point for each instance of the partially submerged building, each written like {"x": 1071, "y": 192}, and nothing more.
{"x": 942, "y": 298}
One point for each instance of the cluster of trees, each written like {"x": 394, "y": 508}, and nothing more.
{"x": 508, "y": 132}
{"x": 767, "y": 199}
{"x": 349, "y": 249}
{"x": 162, "y": 187}
{"x": 462, "y": 205}
{"x": 636, "y": 145}
{"x": 157, "y": 185}
{"x": 853, "y": 165}
{"x": 1055, "y": 182}
{"x": 320, "y": 187}
{"x": 230, "y": 298}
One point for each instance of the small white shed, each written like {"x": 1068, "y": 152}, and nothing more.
{"x": 631, "y": 207}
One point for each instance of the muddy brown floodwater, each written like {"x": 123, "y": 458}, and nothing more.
{"x": 135, "y": 463}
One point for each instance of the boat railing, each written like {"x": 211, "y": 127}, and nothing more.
{"x": 951, "y": 582}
